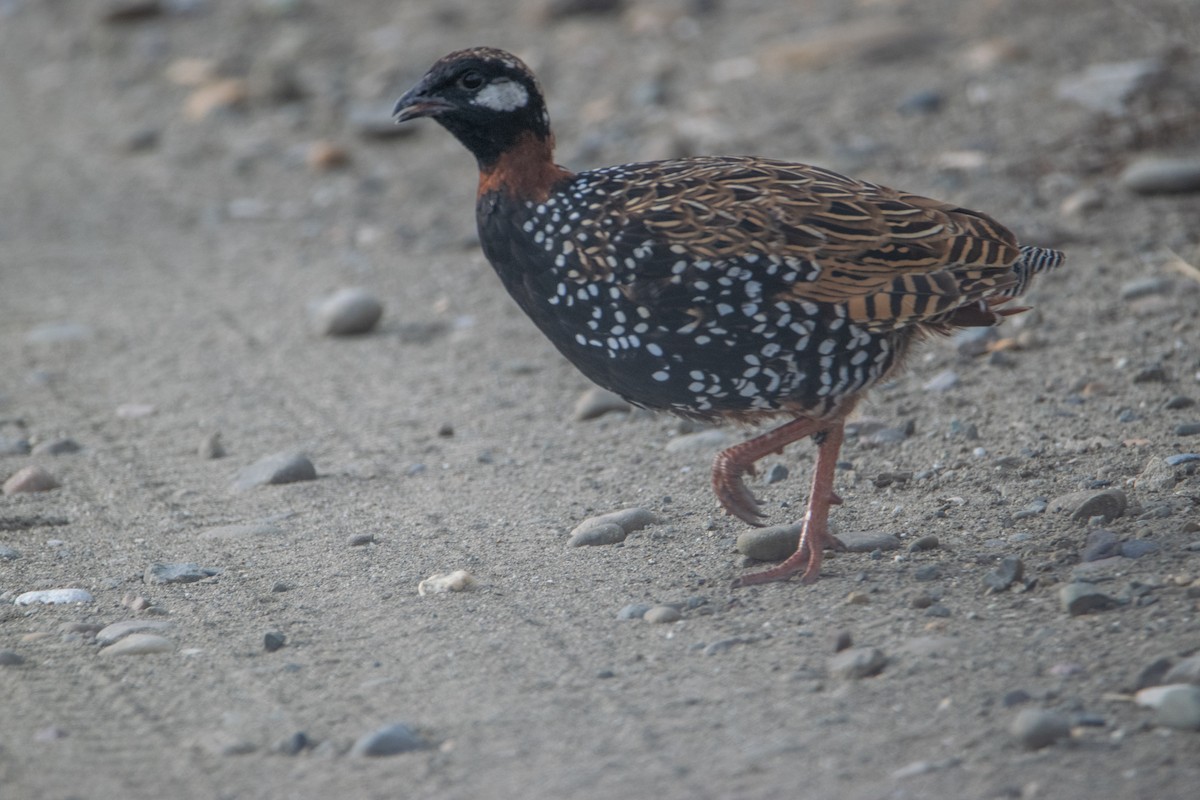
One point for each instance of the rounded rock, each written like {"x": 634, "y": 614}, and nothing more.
{"x": 30, "y": 479}
{"x": 1157, "y": 175}
{"x": 275, "y": 469}
{"x": 390, "y": 740}
{"x": 139, "y": 644}
{"x": 1035, "y": 728}
{"x": 662, "y": 614}
{"x": 1083, "y": 598}
{"x": 1083, "y": 505}
{"x": 770, "y": 544}
{"x": 596, "y": 402}
{"x": 347, "y": 312}
{"x": 857, "y": 662}
{"x": 54, "y": 597}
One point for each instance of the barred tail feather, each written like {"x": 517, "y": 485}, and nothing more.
{"x": 1033, "y": 260}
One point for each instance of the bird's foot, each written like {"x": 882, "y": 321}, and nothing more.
{"x": 731, "y": 491}
{"x": 806, "y": 560}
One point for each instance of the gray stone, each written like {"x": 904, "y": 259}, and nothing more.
{"x": 51, "y": 597}
{"x": 1186, "y": 671}
{"x": 1175, "y": 705}
{"x": 275, "y": 469}
{"x": 1157, "y": 175}
{"x": 1083, "y": 598}
{"x": 769, "y": 544}
{"x": 56, "y": 447}
{"x": 11, "y": 658}
{"x": 868, "y": 541}
{"x": 30, "y": 479}
{"x": 662, "y": 614}
{"x": 8, "y": 553}
{"x": 1158, "y": 475}
{"x": 1139, "y": 547}
{"x": 1101, "y": 543}
{"x": 390, "y": 740}
{"x": 211, "y": 446}
{"x": 273, "y": 640}
{"x": 347, "y": 312}
{"x": 927, "y": 542}
{"x": 1146, "y": 287}
{"x": 1035, "y": 728}
{"x": 110, "y": 634}
{"x": 776, "y": 474}
{"x": 1010, "y": 570}
{"x": 139, "y": 644}
{"x": 14, "y": 446}
{"x": 927, "y": 572}
{"x": 1107, "y": 87}
{"x": 610, "y": 528}
{"x": 633, "y": 611}
{"x": 185, "y": 572}
{"x": 1181, "y": 458}
{"x": 596, "y": 402}
{"x": 1187, "y": 429}
{"x": 360, "y": 539}
{"x": 1083, "y": 505}
{"x": 857, "y": 662}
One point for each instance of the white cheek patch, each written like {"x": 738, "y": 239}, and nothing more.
{"x": 502, "y": 95}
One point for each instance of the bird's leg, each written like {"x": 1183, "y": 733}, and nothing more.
{"x": 734, "y": 462}
{"x": 814, "y": 535}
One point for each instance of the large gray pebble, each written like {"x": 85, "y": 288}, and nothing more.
{"x": 177, "y": 573}
{"x": 1152, "y": 175}
{"x": 662, "y": 614}
{"x": 119, "y": 630}
{"x": 868, "y": 542}
{"x": 610, "y": 528}
{"x": 140, "y": 644}
{"x": 1083, "y": 505}
{"x": 54, "y": 597}
{"x": 1083, "y": 598}
{"x": 30, "y": 479}
{"x": 1186, "y": 671}
{"x": 857, "y": 662}
{"x": 275, "y": 469}
{"x": 347, "y": 312}
{"x": 770, "y": 544}
{"x": 1035, "y": 728}
{"x": 1175, "y": 706}
{"x": 596, "y": 402}
{"x": 389, "y": 741}
{"x": 56, "y": 447}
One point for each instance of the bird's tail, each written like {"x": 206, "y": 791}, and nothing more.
{"x": 1033, "y": 260}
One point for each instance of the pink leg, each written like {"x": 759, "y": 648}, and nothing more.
{"x": 815, "y": 536}
{"x": 734, "y": 462}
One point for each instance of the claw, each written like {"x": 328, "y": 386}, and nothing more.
{"x": 735, "y": 498}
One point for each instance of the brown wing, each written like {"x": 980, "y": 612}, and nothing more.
{"x": 892, "y": 259}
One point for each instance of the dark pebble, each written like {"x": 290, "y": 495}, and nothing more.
{"x": 1181, "y": 458}
{"x": 1083, "y": 598}
{"x": 842, "y": 640}
{"x": 927, "y": 572}
{"x": 1100, "y": 544}
{"x": 1151, "y": 373}
{"x": 294, "y": 744}
{"x": 273, "y": 640}
{"x": 177, "y": 573}
{"x": 1179, "y": 401}
{"x": 1139, "y": 547}
{"x": 56, "y": 447}
{"x": 1032, "y": 509}
{"x": 937, "y": 610}
{"x": 1107, "y": 503}
{"x": 360, "y": 539}
{"x": 922, "y": 600}
{"x": 1161, "y": 175}
{"x": 633, "y": 611}
{"x": 866, "y": 541}
{"x": 1009, "y": 571}
{"x": 1153, "y": 673}
{"x": 1016, "y": 697}
{"x": 9, "y": 658}
{"x": 1035, "y": 728}
{"x": 923, "y": 101}
{"x": 1187, "y": 429}
{"x": 777, "y": 473}
{"x": 929, "y": 542}
{"x": 389, "y": 741}
{"x": 275, "y": 469}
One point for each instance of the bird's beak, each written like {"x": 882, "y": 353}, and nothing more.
{"x": 415, "y": 104}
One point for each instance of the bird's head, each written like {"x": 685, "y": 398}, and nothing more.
{"x": 486, "y": 97}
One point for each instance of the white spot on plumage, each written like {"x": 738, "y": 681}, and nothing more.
{"x": 502, "y": 94}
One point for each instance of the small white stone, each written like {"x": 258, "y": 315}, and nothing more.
{"x": 456, "y": 581}
{"x": 54, "y": 597}
{"x": 139, "y": 644}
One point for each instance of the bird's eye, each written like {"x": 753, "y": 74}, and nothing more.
{"x": 471, "y": 79}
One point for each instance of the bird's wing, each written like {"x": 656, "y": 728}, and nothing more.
{"x": 891, "y": 259}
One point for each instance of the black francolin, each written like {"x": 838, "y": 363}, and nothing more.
{"x": 720, "y": 288}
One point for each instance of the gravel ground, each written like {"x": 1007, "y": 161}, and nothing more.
{"x": 244, "y": 473}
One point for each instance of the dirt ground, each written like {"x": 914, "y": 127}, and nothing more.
{"x": 159, "y": 250}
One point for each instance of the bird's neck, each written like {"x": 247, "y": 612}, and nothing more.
{"x": 524, "y": 170}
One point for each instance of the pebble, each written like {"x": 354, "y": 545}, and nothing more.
{"x": 711, "y": 439}
{"x": 360, "y": 539}
{"x": 867, "y": 541}
{"x": 1139, "y": 547}
{"x": 1107, "y": 87}
{"x": 210, "y": 446}
{"x": 1083, "y": 505}
{"x": 140, "y": 644}
{"x": 1175, "y": 705}
{"x": 11, "y": 658}
{"x": 30, "y": 479}
{"x": 1152, "y": 373}
{"x": 184, "y": 572}
{"x": 1080, "y": 597}
{"x": 245, "y": 531}
{"x": 776, "y": 474}
{"x": 457, "y": 581}
{"x": 324, "y": 155}
{"x": 1186, "y": 671}
{"x": 347, "y": 312}
{"x": 54, "y": 597}
{"x": 1032, "y": 509}
{"x": 1187, "y": 429}
{"x": 1010, "y": 570}
{"x": 1035, "y": 728}
{"x": 113, "y": 633}
{"x": 633, "y": 611}
{"x": 273, "y": 640}
{"x": 1100, "y": 544}
{"x": 1157, "y": 476}
{"x": 927, "y": 572}
{"x": 944, "y": 381}
{"x": 769, "y": 544}
{"x": 275, "y": 469}
{"x": 662, "y": 614}
{"x": 857, "y": 662}
{"x": 8, "y": 553}
{"x": 842, "y": 640}
{"x": 56, "y": 447}
{"x": 596, "y": 402}
{"x": 390, "y": 740}
{"x": 923, "y": 101}
{"x": 1158, "y": 175}
{"x": 928, "y": 542}
{"x": 12, "y": 446}
{"x": 293, "y": 745}
{"x": 1145, "y": 287}
{"x": 858, "y": 599}
{"x": 218, "y": 96}
{"x": 1154, "y": 674}
{"x": 610, "y": 528}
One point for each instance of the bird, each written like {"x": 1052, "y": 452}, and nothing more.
{"x": 720, "y": 288}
